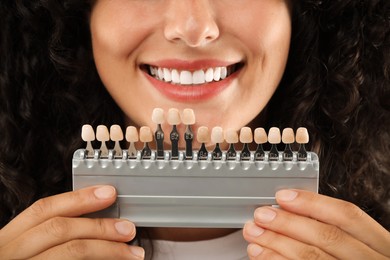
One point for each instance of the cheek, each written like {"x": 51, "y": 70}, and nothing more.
{"x": 116, "y": 30}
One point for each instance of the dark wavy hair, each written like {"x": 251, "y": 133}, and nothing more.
{"x": 337, "y": 84}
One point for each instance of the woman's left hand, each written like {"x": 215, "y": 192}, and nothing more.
{"x": 313, "y": 226}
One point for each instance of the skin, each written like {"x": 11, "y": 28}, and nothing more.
{"x": 125, "y": 33}
{"x": 257, "y": 33}
{"x": 51, "y": 229}
{"x": 124, "y": 36}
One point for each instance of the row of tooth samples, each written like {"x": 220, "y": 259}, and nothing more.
{"x": 216, "y": 136}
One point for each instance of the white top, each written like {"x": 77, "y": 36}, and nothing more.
{"x": 230, "y": 247}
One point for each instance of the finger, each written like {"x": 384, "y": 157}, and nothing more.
{"x": 283, "y": 245}
{"x": 330, "y": 239}
{"x": 68, "y": 204}
{"x": 256, "y": 252}
{"x": 59, "y": 230}
{"x": 342, "y": 214}
{"x": 92, "y": 249}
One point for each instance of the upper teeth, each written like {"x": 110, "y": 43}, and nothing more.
{"x": 186, "y": 77}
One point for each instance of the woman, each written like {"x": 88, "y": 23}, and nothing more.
{"x": 322, "y": 64}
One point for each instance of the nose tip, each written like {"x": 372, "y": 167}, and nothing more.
{"x": 195, "y": 27}
{"x": 198, "y": 33}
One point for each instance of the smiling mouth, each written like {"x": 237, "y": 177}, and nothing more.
{"x": 191, "y": 78}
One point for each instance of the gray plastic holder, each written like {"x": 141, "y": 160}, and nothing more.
{"x": 191, "y": 193}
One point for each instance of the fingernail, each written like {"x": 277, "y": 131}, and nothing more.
{"x": 137, "y": 251}
{"x": 124, "y": 227}
{"x": 253, "y": 230}
{"x": 254, "y": 250}
{"x": 286, "y": 195}
{"x": 264, "y": 215}
{"x": 105, "y": 192}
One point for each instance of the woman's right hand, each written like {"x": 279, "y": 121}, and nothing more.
{"x": 51, "y": 229}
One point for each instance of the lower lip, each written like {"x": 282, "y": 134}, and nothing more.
{"x": 191, "y": 93}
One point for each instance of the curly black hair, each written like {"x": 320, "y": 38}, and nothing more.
{"x": 337, "y": 84}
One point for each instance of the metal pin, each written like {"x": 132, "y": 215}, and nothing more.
{"x": 260, "y": 139}
{"x": 288, "y": 139}
{"x": 116, "y": 135}
{"x": 88, "y": 135}
{"x": 246, "y": 138}
{"x": 132, "y": 138}
{"x": 302, "y": 138}
{"x": 173, "y": 120}
{"x": 217, "y": 139}
{"x": 203, "y": 137}
{"x": 231, "y": 138}
{"x": 102, "y": 135}
{"x": 146, "y": 136}
{"x": 158, "y": 118}
{"x": 188, "y": 119}
{"x": 274, "y": 138}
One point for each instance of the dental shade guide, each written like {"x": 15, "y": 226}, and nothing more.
{"x": 158, "y": 119}
{"x": 174, "y": 120}
{"x": 211, "y": 189}
{"x": 132, "y": 137}
{"x": 302, "y": 138}
{"x": 188, "y": 119}
{"x": 103, "y": 136}
{"x": 146, "y": 136}
{"x": 246, "y": 138}
{"x": 88, "y": 135}
{"x": 288, "y": 138}
{"x": 116, "y": 135}
{"x": 217, "y": 139}
{"x": 261, "y": 138}
{"x": 231, "y": 138}
{"x": 203, "y": 137}
{"x": 274, "y": 138}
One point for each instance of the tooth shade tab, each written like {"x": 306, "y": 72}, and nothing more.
{"x": 116, "y": 133}
{"x": 102, "y": 133}
{"x": 145, "y": 134}
{"x": 87, "y": 133}
{"x": 173, "y": 116}
{"x": 203, "y": 134}
{"x": 231, "y": 136}
{"x": 260, "y": 136}
{"x": 274, "y": 136}
{"x": 217, "y": 135}
{"x": 188, "y": 117}
{"x": 246, "y": 136}
{"x": 288, "y": 136}
{"x": 302, "y": 135}
{"x": 131, "y": 134}
{"x": 158, "y": 116}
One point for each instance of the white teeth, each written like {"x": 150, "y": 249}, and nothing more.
{"x": 167, "y": 75}
{"x": 198, "y": 77}
{"x": 152, "y": 71}
{"x": 160, "y": 73}
{"x": 217, "y": 74}
{"x": 175, "y": 77}
{"x": 185, "y": 77}
{"x": 209, "y": 76}
{"x": 223, "y": 72}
